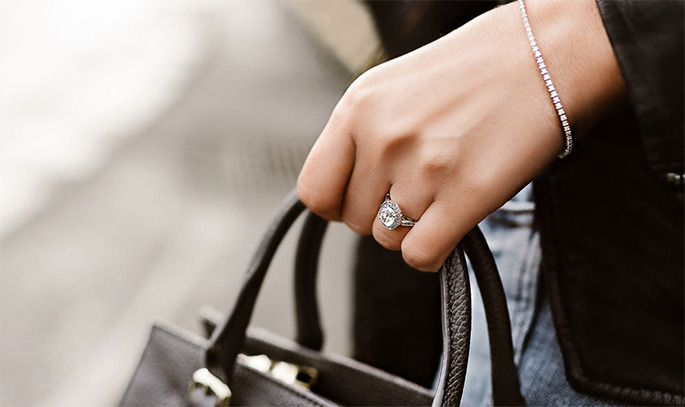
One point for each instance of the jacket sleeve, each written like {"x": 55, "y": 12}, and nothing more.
{"x": 647, "y": 39}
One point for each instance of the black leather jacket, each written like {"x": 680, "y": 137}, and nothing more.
{"x": 611, "y": 214}
{"x": 611, "y": 222}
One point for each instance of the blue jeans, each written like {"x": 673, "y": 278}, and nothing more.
{"x": 516, "y": 247}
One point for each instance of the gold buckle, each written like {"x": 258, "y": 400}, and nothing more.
{"x": 289, "y": 373}
{"x": 205, "y": 380}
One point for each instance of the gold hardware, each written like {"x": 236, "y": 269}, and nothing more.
{"x": 289, "y": 373}
{"x": 674, "y": 178}
{"x": 205, "y": 380}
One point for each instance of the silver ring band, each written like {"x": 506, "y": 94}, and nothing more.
{"x": 407, "y": 221}
{"x": 391, "y": 215}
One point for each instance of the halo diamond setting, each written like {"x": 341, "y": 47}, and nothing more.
{"x": 390, "y": 215}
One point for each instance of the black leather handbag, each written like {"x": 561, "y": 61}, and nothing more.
{"x": 238, "y": 365}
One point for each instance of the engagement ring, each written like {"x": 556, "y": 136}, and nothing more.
{"x": 391, "y": 216}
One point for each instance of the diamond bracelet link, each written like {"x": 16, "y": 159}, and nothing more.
{"x": 566, "y": 127}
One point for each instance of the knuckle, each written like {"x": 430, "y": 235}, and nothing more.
{"x": 358, "y": 95}
{"x": 436, "y": 162}
{"x": 393, "y": 141}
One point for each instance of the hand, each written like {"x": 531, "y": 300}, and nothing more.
{"x": 454, "y": 129}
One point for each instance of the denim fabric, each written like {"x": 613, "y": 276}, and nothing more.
{"x": 541, "y": 369}
{"x": 516, "y": 247}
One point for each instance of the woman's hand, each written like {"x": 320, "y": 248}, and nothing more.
{"x": 456, "y": 128}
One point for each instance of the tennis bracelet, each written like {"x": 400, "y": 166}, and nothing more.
{"x": 568, "y": 136}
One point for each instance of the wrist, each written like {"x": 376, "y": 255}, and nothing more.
{"x": 580, "y": 59}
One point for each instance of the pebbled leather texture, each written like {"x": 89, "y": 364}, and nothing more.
{"x": 456, "y": 327}
{"x": 170, "y": 359}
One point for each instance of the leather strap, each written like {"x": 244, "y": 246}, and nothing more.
{"x": 228, "y": 339}
{"x": 456, "y": 329}
{"x": 505, "y": 380}
{"x": 308, "y": 330}
{"x": 506, "y": 388}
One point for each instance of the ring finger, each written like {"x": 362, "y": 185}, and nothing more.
{"x": 410, "y": 205}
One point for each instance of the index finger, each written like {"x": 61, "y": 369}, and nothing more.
{"x": 322, "y": 182}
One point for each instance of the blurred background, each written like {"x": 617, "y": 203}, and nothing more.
{"x": 144, "y": 147}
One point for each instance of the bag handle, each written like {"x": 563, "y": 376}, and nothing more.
{"x": 505, "y": 383}
{"x": 308, "y": 323}
{"x": 227, "y": 340}
{"x": 506, "y": 388}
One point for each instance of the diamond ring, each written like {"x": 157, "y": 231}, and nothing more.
{"x": 391, "y": 216}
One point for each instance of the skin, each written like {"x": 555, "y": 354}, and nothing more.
{"x": 454, "y": 129}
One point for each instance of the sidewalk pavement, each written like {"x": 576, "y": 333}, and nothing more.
{"x": 169, "y": 224}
